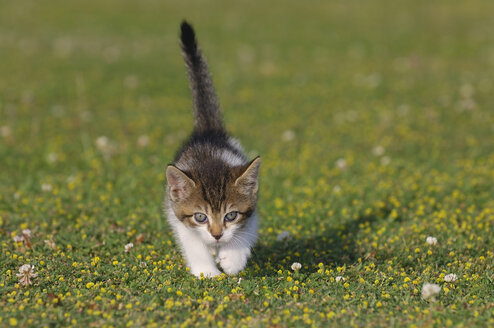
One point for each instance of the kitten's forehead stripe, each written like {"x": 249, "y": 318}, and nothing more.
{"x": 213, "y": 177}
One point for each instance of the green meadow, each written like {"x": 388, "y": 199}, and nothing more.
{"x": 374, "y": 121}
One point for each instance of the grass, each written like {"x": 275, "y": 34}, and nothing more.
{"x": 374, "y": 121}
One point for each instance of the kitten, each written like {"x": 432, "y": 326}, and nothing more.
{"x": 211, "y": 186}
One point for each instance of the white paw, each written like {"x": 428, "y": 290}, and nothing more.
{"x": 207, "y": 272}
{"x": 233, "y": 260}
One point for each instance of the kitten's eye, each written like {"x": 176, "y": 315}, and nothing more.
{"x": 231, "y": 216}
{"x": 201, "y": 218}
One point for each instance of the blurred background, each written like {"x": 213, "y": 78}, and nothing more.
{"x": 95, "y": 91}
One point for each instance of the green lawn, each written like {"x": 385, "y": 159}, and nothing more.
{"x": 374, "y": 120}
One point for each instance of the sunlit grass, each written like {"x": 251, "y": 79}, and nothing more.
{"x": 374, "y": 122}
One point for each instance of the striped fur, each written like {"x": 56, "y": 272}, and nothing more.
{"x": 206, "y": 108}
{"x": 212, "y": 176}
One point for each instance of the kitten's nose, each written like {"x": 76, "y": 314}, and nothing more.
{"x": 217, "y": 237}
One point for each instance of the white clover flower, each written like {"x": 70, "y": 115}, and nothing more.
{"x": 128, "y": 247}
{"x": 239, "y": 280}
{"x": 105, "y": 146}
{"x": 339, "y": 278}
{"x": 296, "y": 266}
{"x": 288, "y": 135}
{"x": 46, "y": 187}
{"x": 467, "y": 90}
{"x": 63, "y": 47}
{"x": 283, "y": 235}
{"x": 143, "y": 141}
{"x": 5, "y": 131}
{"x": 467, "y": 104}
{"x": 102, "y": 142}
{"x": 52, "y": 157}
{"x": 26, "y": 272}
{"x": 450, "y": 277}
{"x": 50, "y": 243}
{"x": 378, "y": 150}
{"x": 341, "y": 163}
{"x": 26, "y": 233}
{"x": 18, "y": 239}
{"x": 336, "y": 189}
{"x": 385, "y": 160}
{"x": 431, "y": 240}
{"x": 429, "y": 291}
{"x": 131, "y": 81}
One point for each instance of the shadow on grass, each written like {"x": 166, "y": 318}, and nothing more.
{"x": 335, "y": 247}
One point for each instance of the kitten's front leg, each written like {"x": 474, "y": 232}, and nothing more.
{"x": 197, "y": 255}
{"x": 234, "y": 255}
{"x": 233, "y": 259}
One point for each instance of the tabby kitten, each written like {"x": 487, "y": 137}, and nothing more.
{"x": 211, "y": 186}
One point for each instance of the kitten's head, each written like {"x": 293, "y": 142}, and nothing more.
{"x": 214, "y": 199}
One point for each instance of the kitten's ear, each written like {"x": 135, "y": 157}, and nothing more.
{"x": 247, "y": 182}
{"x": 180, "y": 184}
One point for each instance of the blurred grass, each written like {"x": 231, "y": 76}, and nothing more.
{"x": 343, "y": 77}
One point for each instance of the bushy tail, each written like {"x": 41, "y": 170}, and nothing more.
{"x": 207, "y": 114}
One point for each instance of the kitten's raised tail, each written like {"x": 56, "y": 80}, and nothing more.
{"x": 207, "y": 114}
